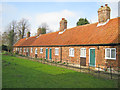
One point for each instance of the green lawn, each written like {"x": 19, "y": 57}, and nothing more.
{"x": 22, "y": 73}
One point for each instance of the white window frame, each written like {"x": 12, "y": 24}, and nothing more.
{"x": 71, "y": 52}
{"x": 36, "y": 51}
{"x": 41, "y": 50}
{"x": 16, "y": 49}
{"x": 24, "y": 49}
{"x": 20, "y": 49}
{"x": 31, "y": 50}
{"x": 56, "y": 51}
{"x": 81, "y": 52}
{"x": 27, "y": 49}
{"x": 110, "y": 53}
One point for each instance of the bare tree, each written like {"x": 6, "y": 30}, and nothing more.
{"x": 5, "y": 38}
{"x": 23, "y": 27}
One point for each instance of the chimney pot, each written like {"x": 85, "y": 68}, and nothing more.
{"x": 106, "y": 4}
{"x": 28, "y": 34}
{"x": 103, "y": 13}
{"x": 63, "y": 18}
{"x": 38, "y": 31}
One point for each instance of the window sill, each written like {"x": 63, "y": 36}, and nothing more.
{"x": 83, "y": 56}
{"x": 56, "y": 54}
{"x": 111, "y": 58}
{"x": 41, "y": 52}
{"x": 71, "y": 55}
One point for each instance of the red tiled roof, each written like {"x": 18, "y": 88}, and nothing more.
{"x": 26, "y": 41}
{"x": 85, "y": 34}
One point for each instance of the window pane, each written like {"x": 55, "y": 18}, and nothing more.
{"x": 108, "y": 53}
{"x": 83, "y": 52}
{"x": 69, "y": 51}
{"x": 113, "y": 53}
{"x": 56, "y": 51}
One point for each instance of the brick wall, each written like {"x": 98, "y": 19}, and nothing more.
{"x": 99, "y": 54}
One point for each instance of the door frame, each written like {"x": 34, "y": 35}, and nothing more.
{"x": 36, "y": 53}
{"x": 51, "y": 53}
{"x": 45, "y": 53}
{"x": 89, "y": 57}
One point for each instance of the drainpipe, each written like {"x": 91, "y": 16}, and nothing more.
{"x": 61, "y": 54}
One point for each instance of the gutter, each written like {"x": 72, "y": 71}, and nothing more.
{"x": 110, "y": 44}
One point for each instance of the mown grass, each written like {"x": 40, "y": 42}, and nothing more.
{"x": 23, "y": 73}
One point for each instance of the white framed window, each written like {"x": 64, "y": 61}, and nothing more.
{"x": 27, "y": 49}
{"x": 41, "y": 50}
{"x": 36, "y": 51}
{"x": 83, "y": 52}
{"x": 31, "y": 50}
{"x": 110, "y": 53}
{"x": 16, "y": 49}
{"x": 71, "y": 52}
{"x": 20, "y": 49}
{"x": 56, "y": 51}
{"x": 24, "y": 49}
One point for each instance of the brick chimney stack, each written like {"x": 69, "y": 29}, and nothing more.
{"x": 63, "y": 24}
{"x": 28, "y": 34}
{"x": 39, "y": 31}
{"x": 104, "y": 13}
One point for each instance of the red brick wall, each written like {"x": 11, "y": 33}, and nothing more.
{"x": 99, "y": 54}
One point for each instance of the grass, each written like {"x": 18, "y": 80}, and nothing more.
{"x": 23, "y": 73}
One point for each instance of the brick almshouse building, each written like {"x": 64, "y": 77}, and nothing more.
{"x": 91, "y": 44}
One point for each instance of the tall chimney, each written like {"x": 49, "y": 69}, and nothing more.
{"x": 39, "y": 31}
{"x": 104, "y": 13}
{"x": 63, "y": 24}
{"x": 28, "y": 34}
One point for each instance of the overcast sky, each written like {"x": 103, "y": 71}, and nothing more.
{"x": 52, "y": 12}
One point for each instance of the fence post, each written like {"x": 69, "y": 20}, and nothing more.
{"x": 111, "y": 71}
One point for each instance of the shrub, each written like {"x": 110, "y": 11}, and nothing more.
{"x": 4, "y": 48}
{"x": 23, "y": 55}
{"x": 64, "y": 63}
{"x": 41, "y": 59}
{"x": 20, "y": 55}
